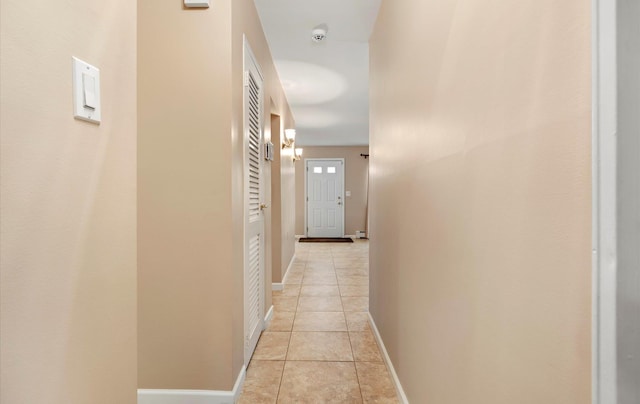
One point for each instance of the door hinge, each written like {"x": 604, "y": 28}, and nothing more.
{"x": 246, "y": 78}
{"x": 307, "y": 199}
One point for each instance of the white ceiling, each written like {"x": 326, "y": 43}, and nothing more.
{"x": 326, "y": 83}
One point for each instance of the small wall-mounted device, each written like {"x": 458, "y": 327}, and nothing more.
{"x": 86, "y": 92}
{"x": 268, "y": 151}
{"x": 196, "y": 3}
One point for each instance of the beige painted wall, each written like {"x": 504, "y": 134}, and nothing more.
{"x": 283, "y": 188}
{"x": 68, "y": 205}
{"x": 355, "y": 180}
{"x": 480, "y": 199}
{"x": 246, "y": 24}
{"x": 184, "y": 197}
{"x": 191, "y": 192}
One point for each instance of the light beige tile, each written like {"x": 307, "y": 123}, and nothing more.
{"x": 262, "y": 382}
{"x": 320, "y": 321}
{"x": 320, "y": 290}
{"x": 357, "y": 321}
{"x": 319, "y": 383}
{"x": 353, "y": 279}
{"x": 376, "y": 384}
{"x": 319, "y": 346}
{"x": 319, "y": 278}
{"x": 272, "y": 346}
{"x": 290, "y": 289}
{"x": 281, "y": 321}
{"x": 352, "y": 271}
{"x": 294, "y": 278}
{"x": 320, "y": 267}
{"x": 355, "y": 303}
{"x": 320, "y": 303}
{"x": 299, "y": 263}
{"x": 256, "y": 397}
{"x": 285, "y": 303}
{"x": 365, "y": 347}
{"x": 354, "y": 290}
{"x": 349, "y": 262}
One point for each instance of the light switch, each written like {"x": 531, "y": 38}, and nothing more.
{"x": 89, "y": 87}
{"x": 348, "y": 193}
{"x": 86, "y": 92}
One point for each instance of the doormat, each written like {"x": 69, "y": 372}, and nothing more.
{"x": 326, "y": 240}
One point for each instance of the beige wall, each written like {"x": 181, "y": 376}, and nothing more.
{"x": 246, "y": 24}
{"x": 480, "y": 199}
{"x": 191, "y": 192}
{"x": 68, "y": 205}
{"x": 283, "y": 188}
{"x": 184, "y": 170}
{"x": 355, "y": 180}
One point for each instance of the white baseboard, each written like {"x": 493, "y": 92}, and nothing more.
{"x": 286, "y": 273}
{"x": 158, "y": 396}
{"x": 268, "y": 317}
{"x": 401, "y": 395}
{"x": 280, "y": 286}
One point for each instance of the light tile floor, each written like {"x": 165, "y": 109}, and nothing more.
{"x": 319, "y": 347}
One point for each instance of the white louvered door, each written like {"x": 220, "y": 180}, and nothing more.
{"x": 254, "y": 217}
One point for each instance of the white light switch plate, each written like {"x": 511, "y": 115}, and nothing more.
{"x": 86, "y": 92}
{"x": 348, "y": 193}
{"x": 196, "y": 3}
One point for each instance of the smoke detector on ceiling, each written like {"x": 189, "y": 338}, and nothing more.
{"x": 319, "y": 33}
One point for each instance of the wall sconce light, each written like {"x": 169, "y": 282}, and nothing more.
{"x": 297, "y": 155}
{"x": 289, "y": 138}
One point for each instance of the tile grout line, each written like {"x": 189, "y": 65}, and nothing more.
{"x": 353, "y": 354}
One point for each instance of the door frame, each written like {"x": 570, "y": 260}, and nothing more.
{"x": 604, "y": 200}
{"x": 248, "y": 59}
{"x": 306, "y": 201}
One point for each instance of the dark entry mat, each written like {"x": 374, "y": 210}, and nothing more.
{"x": 326, "y": 240}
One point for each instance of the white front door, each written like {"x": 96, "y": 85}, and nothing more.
{"x": 325, "y": 197}
{"x": 254, "y": 217}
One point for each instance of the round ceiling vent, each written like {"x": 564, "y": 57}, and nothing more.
{"x": 319, "y": 33}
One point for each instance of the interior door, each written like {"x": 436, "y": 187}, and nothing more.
{"x": 254, "y": 217}
{"x": 325, "y": 197}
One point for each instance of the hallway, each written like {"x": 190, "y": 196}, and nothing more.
{"x": 319, "y": 347}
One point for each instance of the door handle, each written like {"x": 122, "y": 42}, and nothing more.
{"x": 263, "y": 206}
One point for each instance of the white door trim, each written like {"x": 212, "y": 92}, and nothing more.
{"x": 344, "y": 203}
{"x": 604, "y": 200}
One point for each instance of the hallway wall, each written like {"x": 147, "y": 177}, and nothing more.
{"x": 355, "y": 179}
{"x": 184, "y": 197}
{"x": 246, "y": 24}
{"x": 68, "y": 205}
{"x": 282, "y": 201}
{"x": 481, "y": 271}
{"x": 191, "y": 192}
